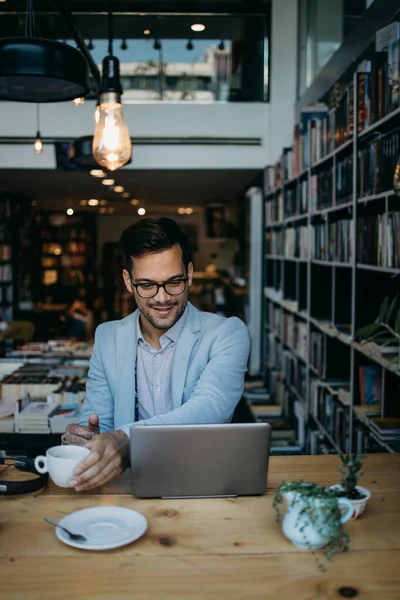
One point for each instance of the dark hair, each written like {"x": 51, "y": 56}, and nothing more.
{"x": 149, "y": 236}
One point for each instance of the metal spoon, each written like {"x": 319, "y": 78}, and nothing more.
{"x": 73, "y": 536}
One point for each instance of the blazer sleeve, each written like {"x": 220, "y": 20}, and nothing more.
{"x": 98, "y": 398}
{"x": 220, "y": 386}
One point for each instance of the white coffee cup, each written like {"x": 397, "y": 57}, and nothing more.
{"x": 60, "y": 462}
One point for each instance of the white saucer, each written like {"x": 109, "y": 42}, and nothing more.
{"x": 105, "y": 527}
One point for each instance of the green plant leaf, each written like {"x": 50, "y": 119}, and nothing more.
{"x": 384, "y": 310}
{"x": 378, "y": 335}
{"x": 391, "y": 308}
{"x": 397, "y": 323}
{"x": 367, "y": 330}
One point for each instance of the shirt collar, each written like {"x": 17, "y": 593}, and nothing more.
{"x": 172, "y": 334}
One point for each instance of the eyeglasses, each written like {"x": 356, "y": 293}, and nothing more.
{"x": 149, "y": 290}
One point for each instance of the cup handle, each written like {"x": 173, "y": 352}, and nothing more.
{"x": 38, "y": 467}
{"x": 345, "y": 503}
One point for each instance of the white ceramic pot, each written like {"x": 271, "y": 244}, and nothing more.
{"x": 297, "y": 527}
{"x": 358, "y": 505}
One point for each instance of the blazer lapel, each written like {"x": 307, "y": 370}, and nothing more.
{"x": 126, "y": 360}
{"x": 184, "y": 347}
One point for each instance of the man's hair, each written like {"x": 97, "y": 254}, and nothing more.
{"x": 149, "y": 236}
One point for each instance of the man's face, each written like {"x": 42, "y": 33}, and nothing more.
{"x": 163, "y": 310}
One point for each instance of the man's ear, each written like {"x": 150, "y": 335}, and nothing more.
{"x": 190, "y": 274}
{"x": 127, "y": 281}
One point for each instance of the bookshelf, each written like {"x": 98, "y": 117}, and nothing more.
{"x": 331, "y": 255}
{"x": 65, "y": 242}
{"x": 15, "y": 254}
{"x": 118, "y": 302}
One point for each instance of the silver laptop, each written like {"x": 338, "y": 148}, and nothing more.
{"x": 187, "y": 461}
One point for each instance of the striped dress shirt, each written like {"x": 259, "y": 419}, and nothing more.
{"x": 154, "y": 371}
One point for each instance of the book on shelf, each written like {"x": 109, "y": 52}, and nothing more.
{"x": 370, "y": 384}
{"x": 386, "y": 347}
{"x": 332, "y": 241}
{"x": 252, "y": 383}
{"x": 376, "y": 164}
{"x": 257, "y": 394}
{"x": 387, "y": 429}
{"x": 63, "y": 416}
{"x": 366, "y": 411}
{"x": 263, "y": 411}
{"x": 283, "y": 434}
{"x": 34, "y": 416}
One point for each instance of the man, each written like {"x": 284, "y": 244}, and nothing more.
{"x": 165, "y": 364}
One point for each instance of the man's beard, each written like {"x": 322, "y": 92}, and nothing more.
{"x": 160, "y": 323}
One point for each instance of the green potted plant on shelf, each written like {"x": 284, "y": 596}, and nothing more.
{"x": 313, "y": 518}
{"x": 351, "y": 471}
{"x": 385, "y": 330}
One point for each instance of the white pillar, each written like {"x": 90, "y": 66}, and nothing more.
{"x": 283, "y": 76}
{"x": 255, "y": 199}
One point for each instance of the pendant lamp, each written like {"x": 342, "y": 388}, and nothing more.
{"x": 40, "y": 70}
{"x": 81, "y": 153}
{"x": 33, "y": 69}
{"x": 38, "y": 144}
{"x": 112, "y": 146}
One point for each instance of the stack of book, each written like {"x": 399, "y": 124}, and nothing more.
{"x": 7, "y": 407}
{"x": 63, "y": 416}
{"x": 19, "y": 384}
{"x": 54, "y": 349}
{"x": 35, "y": 417}
{"x": 386, "y": 430}
{"x": 72, "y": 391}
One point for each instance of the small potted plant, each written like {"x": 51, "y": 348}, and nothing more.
{"x": 350, "y": 469}
{"x": 314, "y": 517}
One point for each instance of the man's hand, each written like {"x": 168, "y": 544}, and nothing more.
{"x": 109, "y": 456}
{"x": 80, "y": 435}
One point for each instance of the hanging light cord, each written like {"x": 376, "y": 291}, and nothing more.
{"x": 110, "y": 30}
{"x": 38, "y": 117}
{"x": 30, "y": 28}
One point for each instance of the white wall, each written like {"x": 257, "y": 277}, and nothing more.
{"x": 283, "y": 77}
{"x": 161, "y": 120}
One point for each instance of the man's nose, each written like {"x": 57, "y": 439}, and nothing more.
{"x": 162, "y": 296}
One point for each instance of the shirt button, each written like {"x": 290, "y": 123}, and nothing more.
{"x": 158, "y": 389}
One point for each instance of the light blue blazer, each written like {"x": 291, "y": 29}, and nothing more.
{"x": 209, "y": 366}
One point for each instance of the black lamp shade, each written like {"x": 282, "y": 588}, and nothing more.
{"x": 40, "y": 70}
{"x": 81, "y": 153}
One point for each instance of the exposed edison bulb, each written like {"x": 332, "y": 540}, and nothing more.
{"x": 78, "y": 101}
{"x": 112, "y": 145}
{"x": 38, "y": 145}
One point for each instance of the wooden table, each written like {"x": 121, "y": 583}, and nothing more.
{"x": 212, "y": 548}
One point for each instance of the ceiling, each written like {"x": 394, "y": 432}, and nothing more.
{"x": 164, "y": 19}
{"x": 156, "y": 189}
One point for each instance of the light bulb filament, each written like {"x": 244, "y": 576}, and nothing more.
{"x": 112, "y": 145}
